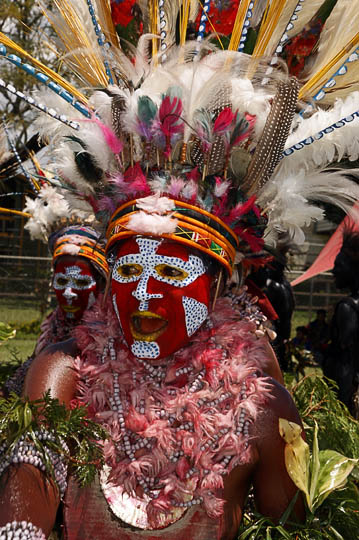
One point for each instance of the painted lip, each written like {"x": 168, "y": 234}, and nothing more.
{"x": 138, "y": 318}
{"x": 70, "y": 309}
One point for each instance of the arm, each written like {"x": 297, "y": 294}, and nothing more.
{"x": 346, "y": 321}
{"x": 271, "y": 367}
{"x": 26, "y": 493}
{"x": 273, "y": 487}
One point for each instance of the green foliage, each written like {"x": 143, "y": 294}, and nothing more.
{"x": 337, "y": 516}
{"x": 9, "y": 363}
{"x": 316, "y": 401}
{"x": 19, "y": 417}
{"x": 6, "y": 333}
{"x": 26, "y": 328}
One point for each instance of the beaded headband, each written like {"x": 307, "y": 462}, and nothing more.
{"x": 193, "y": 227}
{"x": 79, "y": 241}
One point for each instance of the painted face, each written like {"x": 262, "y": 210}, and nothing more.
{"x": 161, "y": 294}
{"x": 75, "y": 286}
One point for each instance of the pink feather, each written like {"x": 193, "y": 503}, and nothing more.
{"x": 223, "y": 121}
{"x": 110, "y": 137}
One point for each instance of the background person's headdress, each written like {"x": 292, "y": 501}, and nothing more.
{"x": 204, "y": 146}
{"x": 68, "y": 231}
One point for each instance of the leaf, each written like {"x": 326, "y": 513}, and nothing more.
{"x": 334, "y": 469}
{"x": 288, "y": 512}
{"x": 6, "y": 333}
{"x": 27, "y": 416}
{"x": 296, "y": 455}
{"x": 315, "y": 466}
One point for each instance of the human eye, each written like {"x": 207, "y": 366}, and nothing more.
{"x": 60, "y": 282}
{"x": 171, "y": 272}
{"x": 82, "y": 282}
{"x": 129, "y": 270}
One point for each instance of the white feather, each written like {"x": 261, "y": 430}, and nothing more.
{"x": 155, "y": 204}
{"x": 142, "y": 222}
{"x": 342, "y": 142}
{"x": 289, "y": 201}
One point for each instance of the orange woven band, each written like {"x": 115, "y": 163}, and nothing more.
{"x": 195, "y": 227}
{"x": 90, "y": 250}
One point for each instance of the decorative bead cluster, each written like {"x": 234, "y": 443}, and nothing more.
{"x": 131, "y": 442}
{"x": 45, "y": 79}
{"x": 16, "y": 381}
{"x": 101, "y": 39}
{"x": 249, "y": 310}
{"x": 21, "y": 530}
{"x": 204, "y": 19}
{"x": 246, "y": 24}
{"x": 25, "y": 451}
{"x": 185, "y": 423}
{"x": 40, "y": 106}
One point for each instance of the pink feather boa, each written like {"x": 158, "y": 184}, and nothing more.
{"x": 195, "y": 437}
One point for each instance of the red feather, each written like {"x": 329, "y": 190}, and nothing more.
{"x": 223, "y": 121}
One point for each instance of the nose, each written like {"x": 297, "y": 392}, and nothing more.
{"x": 141, "y": 293}
{"x": 69, "y": 294}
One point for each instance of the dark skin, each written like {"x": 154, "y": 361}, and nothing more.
{"x": 342, "y": 353}
{"x": 52, "y": 370}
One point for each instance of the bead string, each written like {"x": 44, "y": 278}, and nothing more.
{"x": 25, "y": 451}
{"x": 23, "y": 530}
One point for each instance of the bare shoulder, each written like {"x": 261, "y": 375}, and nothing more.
{"x": 53, "y": 370}
{"x": 279, "y": 404}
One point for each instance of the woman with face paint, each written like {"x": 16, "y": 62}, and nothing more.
{"x": 80, "y": 272}
{"x": 183, "y": 158}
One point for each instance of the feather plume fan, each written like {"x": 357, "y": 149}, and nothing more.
{"x": 204, "y": 125}
{"x": 292, "y": 201}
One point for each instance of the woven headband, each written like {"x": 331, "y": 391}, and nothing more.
{"x": 195, "y": 227}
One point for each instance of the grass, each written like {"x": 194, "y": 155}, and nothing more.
{"x": 301, "y": 318}
{"x": 25, "y": 317}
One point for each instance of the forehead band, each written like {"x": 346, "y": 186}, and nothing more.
{"x": 194, "y": 227}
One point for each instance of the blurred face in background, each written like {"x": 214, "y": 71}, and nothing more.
{"x": 75, "y": 285}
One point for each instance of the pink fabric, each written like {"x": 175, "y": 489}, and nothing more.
{"x": 326, "y": 258}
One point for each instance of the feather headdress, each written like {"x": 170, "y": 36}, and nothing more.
{"x": 236, "y": 143}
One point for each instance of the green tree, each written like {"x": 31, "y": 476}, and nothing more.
{"x": 23, "y": 22}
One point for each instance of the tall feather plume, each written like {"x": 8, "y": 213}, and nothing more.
{"x": 274, "y": 22}
{"x": 290, "y": 200}
{"x": 339, "y": 39}
{"x": 48, "y": 71}
{"x": 106, "y": 22}
{"x": 74, "y": 27}
{"x": 271, "y": 143}
{"x": 308, "y": 9}
{"x": 337, "y": 144}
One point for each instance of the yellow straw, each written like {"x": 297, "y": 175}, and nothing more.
{"x": 52, "y": 74}
{"x": 16, "y": 212}
{"x": 309, "y": 85}
{"x": 238, "y": 25}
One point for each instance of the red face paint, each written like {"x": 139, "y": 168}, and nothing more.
{"x": 161, "y": 293}
{"x": 75, "y": 285}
